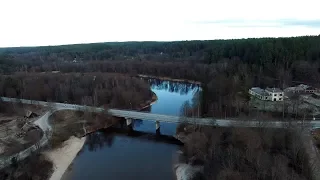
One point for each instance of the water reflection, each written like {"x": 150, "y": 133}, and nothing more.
{"x": 171, "y": 96}
{"x": 99, "y": 140}
{"x": 106, "y": 138}
{"x": 137, "y": 123}
{"x": 119, "y": 155}
{"x": 177, "y": 87}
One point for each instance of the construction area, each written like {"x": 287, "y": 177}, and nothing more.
{"x": 300, "y": 101}
{"x": 17, "y": 131}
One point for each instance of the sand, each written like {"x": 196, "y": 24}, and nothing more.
{"x": 187, "y": 171}
{"x": 63, "y": 157}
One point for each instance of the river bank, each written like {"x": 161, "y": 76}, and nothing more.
{"x": 210, "y": 147}
{"x": 170, "y": 79}
{"x": 115, "y": 155}
{"x": 62, "y": 157}
{"x": 154, "y": 98}
{"x": 149, "y": 103}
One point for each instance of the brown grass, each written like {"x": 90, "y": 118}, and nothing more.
{"x": 35, "y": 167}
{"x": 67, "y": 123}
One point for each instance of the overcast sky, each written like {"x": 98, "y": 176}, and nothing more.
{"x": 53, "y": 22}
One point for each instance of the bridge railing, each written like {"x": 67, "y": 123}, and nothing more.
{"x": 143, "y": 115}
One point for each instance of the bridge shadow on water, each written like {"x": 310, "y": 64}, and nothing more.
{"x": 106, "y": 137}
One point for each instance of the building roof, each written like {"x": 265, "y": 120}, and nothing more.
{"x": 259, "y": 91}
{"x": 311, "y": 88}
{"x": 275, "y": 90}
{"x": 301, "y": 87}
{"x": 317, "y": 94}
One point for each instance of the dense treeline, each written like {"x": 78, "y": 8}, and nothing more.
{"x": 225, "y": 67}
{"x": 95, "y": 89}
{"x": 244, "y": 153}
{"x": 263, "y": 50}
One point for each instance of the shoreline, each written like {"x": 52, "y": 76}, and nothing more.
{"x": 63, "y": 156}
{"x": 149, "y": 103}
{"x": 169, "y": 79}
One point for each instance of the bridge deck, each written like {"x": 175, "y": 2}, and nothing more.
{"x": 166, "y": 118}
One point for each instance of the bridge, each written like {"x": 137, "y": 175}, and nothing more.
{"x": 130, "y": 115}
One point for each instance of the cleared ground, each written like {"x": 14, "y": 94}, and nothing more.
{"x": 17, "y": 131}
{"x": 296, "y": 107}
{"x": 67, "y": 123}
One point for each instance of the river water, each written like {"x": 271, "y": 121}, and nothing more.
{"x": 114, "y": 156}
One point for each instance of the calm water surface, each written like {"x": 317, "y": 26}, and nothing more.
{"x": 120, "y": 157}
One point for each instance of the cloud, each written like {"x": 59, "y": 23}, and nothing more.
{"x": 311, "y": 23}
{"x": 52, "y": 22}
{"x": 315, "y": 23}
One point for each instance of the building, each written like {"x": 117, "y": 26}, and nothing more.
{"x": 311, "y": 89}
{"x": 316, "y": 95}
{"x": 275, "y": 94}
{"x": 259, "y": 93}
{"x": 297, "y": 89}
{"x": 269, "y": 94}
{"x": 301, "y": 89}
{"x": 30, "y": 114}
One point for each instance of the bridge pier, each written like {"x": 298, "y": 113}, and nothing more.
{"x": 157, "y": 128}
{"x": 122, "y": 121}
{"x": 129, "y": 121}
{"x": 129, "y": 124}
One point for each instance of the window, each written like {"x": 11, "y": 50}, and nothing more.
{"x": 280, "y": 99}
{"x": 275, "y": 94}
{"x": 274, "y": 99}
{"x": 266, "y": 98}
{"x": 280, "y": 94}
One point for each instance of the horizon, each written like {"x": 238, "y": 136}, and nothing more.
{"x": 36, "y": 23}
{"x": 56, "y": 45}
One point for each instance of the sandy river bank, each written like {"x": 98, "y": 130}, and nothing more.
{"x": 62, "y": 157}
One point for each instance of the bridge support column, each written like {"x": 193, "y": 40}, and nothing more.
{"x": 129, "y": 121}
{"x": 122, "y": 121}
{"x": 157, "y": 128}
{"x": 129, "y": 124}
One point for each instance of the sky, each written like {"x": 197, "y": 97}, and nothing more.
{"x": 55, "y": 22}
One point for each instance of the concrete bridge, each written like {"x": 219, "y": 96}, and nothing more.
{"x": 130, "y": 115}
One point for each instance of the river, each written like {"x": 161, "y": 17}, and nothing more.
{"x": 116, "y": 156}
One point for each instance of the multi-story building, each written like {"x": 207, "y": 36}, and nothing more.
{"x": 269, "y": 94}
{"x": 275, "y": 94}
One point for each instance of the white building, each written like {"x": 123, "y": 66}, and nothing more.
{"x": 275, "y": 94}
{"x": 269, "y": 94}
{"x": 302, "y": 89}
{"x": 259, "y": 93}
{"x": 297, "y": 89}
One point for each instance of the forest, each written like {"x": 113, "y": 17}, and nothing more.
{"x": 93, "y": 89}
{"x": 246, "y": 153}
{"x": 226, "y": 68}
{"x": 105, "y": 74}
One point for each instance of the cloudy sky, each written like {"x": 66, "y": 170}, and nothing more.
{"x": 53, "y": 22}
